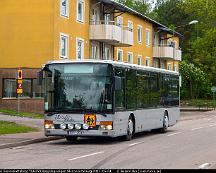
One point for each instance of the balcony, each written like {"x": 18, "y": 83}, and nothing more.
{"x": 109, "y": 33}
{"x": 167, "y": 52}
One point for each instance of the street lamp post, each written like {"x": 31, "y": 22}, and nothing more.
{"x": 173, "y": 35}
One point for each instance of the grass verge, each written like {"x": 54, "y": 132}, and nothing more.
{"x": 12, "y": 128}
{"x": 22, "y": 114}
{"x": 198, "y": 103}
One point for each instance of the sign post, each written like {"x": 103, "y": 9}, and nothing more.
{"x": 213, "y": 89}
{"x": 19, "y": 88}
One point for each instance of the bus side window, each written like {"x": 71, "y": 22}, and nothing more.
{"x": 120, "y": 94}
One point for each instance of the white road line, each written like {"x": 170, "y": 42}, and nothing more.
{"x": 174, "y": 134}
{"x": 88, "y": 155}
{"x": 212, "y": 125}
{"x": 204, "y": 166}
{"x": 197, "y": 128}
{"x": 135, "y": 144}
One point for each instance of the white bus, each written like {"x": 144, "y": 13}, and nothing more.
{"x": 108, "y": 98}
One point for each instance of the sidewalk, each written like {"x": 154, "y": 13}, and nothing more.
{"x": 15, "y": 140}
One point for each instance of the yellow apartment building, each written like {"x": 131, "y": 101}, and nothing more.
{"x": 33, "y": 32}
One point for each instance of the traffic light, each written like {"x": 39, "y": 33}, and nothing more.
{"x": 19, "y": 74}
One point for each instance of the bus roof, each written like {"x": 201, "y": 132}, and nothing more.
{"x": 114, "y": 63}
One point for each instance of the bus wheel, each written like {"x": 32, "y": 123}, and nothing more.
{"x": 71, "y": 138}
{"x": 165, "y": 123}
{"x": 130, "y": 129}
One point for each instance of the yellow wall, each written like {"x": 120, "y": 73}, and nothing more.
{"x": 71, "y": 27}
{"x": 137, "y": 48}
{"x": 26, "y": 33}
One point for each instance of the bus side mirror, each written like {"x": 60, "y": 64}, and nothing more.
{"x": 118, "y": 83}
{"x": 40, "y": 77}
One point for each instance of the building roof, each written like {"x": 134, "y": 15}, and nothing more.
{"x": 122, "y": 7}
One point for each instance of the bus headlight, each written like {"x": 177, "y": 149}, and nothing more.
{"x": 78, "y": 126}
{"x": 109, "y": 127}
{"x": 70, "y": 126}
{"x": 63, "y": 126}
{"x": 48, "y": 124}
{"x": 85, "y": 126}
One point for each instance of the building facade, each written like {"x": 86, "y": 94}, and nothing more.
{"x": 33, "y": 32}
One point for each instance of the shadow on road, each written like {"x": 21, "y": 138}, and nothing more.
{"x": 106, "y": 140}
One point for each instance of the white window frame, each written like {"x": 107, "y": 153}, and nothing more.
{"x": 162, "y": 65}
{"x": 139, "y": 59}
{"x": 130, "y": 28}
{"x": 139, "y": 37}
{"x": 122, "y": 53}
{"x": 66, "y": 46}
{"x": 130, "y": 53}
{"x": 66, "y": 15}
{"x": 95, "y": 54}
{"x": 83, "y": 11}
{"x": 148, "y": 42}
{"x": 148, "y": 60}
{"x": 119, "y": 21}
{"x": 169, "y": 66}
{"x": 175, "y": 67}
{"x": 110, "y": 53}
{"x": 82, "y": 48}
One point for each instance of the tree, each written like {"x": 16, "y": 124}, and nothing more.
{"x": 195, "y": 83}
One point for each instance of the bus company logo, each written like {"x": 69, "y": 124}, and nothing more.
{"x": 65, "y": 118}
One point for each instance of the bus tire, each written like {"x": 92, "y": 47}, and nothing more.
{"x": 130, "y": 129}
{"x": 71, "y": 138}
{"x": 165, "y": 123}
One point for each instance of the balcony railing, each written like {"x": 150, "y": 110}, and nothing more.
{"x": 166, "y": 52}
{"x": 109, "y": 32}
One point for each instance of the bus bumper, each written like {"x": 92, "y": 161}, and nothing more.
{"x": 80, "y": 133}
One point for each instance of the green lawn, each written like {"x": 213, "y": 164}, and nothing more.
{"x": 12, "y": 128}
{"x": 22, "y": 114}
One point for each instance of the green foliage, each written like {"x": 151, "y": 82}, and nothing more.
{"x": 11, "y": 128}
{"x": 195, "y": 83}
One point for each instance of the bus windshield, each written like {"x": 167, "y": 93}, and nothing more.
{"x": 78, "y": 88}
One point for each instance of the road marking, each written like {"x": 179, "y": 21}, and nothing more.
{"x": 209, "y": 119}
{"x": 135, "y": 144}
{"x": 212, "y": 125}
{"x": 88, "y": 155}
{"x": 204, "y": 166}
{"x": 197, "y": 128}
{"x": 174, "y": 134}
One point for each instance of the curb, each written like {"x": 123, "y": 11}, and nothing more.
{"x": 27, "y": 142}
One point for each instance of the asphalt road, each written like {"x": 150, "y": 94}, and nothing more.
{"x": 189, "y": 144}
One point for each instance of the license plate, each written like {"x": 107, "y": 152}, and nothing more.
{"x": 90, "y": 119}
{"x": 75, "y": 132}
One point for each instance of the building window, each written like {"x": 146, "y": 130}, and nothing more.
{"x": 147, "y": 61}
{"x": 37, "y": 89}
{"x": 169, "y": 67}
{"x": 175, "y": 67}
{"x": 64, "y": 8}
{"x": 130, "y": 26}
{"x": 130, "y": 57}
{"x": 156, "y": 64}
{"x": 107, "y": 53}
{"x": 94, "y": 51}
{"x": 119, "y": 21}
{"x": 30, "y": 87}
{"x": 119, "y": 55}
{"x": 64, "y": 45}
{"x": 9, "y": 88}
{"x": 80, "y": 11}
{"x": 80, "y": 49}
{"x": 162, "y": 65}
{"x": 147, "y": 37}
{"x": 139, "y": 32}
{"x": 139, "y": 60}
